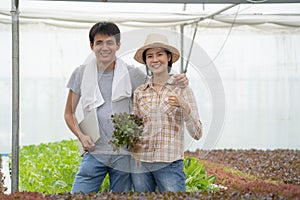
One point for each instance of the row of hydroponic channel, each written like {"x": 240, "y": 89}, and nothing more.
{"x": 213, "y": 174}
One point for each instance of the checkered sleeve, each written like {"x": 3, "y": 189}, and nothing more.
{"x": 193, "y": 123}
{"x": 135, "y": 103}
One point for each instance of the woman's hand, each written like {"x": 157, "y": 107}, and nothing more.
{"x": 178, "y": 101}
{"x": 181, "y": 80}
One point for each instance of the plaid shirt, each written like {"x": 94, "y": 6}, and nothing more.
{"x": 163, "y": 135}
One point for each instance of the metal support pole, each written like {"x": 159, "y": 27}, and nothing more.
{"x": 15, "y": 96}
{"x": 195, "y": 30}
{"x": 182, "y": 47}
{"x": 182, "y": 44}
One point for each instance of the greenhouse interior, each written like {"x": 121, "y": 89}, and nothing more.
{"x": 242, "y": 61}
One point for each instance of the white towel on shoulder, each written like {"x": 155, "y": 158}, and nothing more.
{"x": 90, "y": 93}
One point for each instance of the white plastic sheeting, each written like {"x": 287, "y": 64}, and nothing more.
{"x": 82, "y": 14}
{"x": 258, "y": 64}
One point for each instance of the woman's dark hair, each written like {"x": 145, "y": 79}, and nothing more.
{"x": 105, "y": 28}
{"x": 169, "y": 62}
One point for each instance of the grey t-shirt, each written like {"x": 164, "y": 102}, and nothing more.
{"x": 109, "y": 108}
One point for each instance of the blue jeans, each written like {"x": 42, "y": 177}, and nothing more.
{"x": 166, "y": 176}
{"x": 93, "y": 169}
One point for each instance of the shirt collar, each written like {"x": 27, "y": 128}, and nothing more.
{"x": 149, "y": 83}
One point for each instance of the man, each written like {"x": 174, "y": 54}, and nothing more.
{"x": 104, "y": 84}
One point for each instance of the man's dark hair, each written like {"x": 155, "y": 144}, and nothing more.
{"x": 105, "y": 28}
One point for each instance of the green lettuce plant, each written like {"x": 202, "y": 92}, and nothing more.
{"x": 196, "y": 176}
{"x": 128, "y": 128}
{"x": 50, "y": 168}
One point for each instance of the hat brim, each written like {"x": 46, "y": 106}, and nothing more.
{"x": 139, "y": 53}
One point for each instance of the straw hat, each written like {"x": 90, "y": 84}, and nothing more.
{"x": 153, "y": 41}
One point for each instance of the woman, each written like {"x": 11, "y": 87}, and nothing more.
{"x": 164, "y": 109}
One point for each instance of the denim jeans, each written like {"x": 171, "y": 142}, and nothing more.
{"x": 164, "y": 176}
{"x": 93, "y": 169}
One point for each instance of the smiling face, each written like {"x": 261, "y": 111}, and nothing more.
{"x": 157, "y": 60}
{"x": 105, "y": 48}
